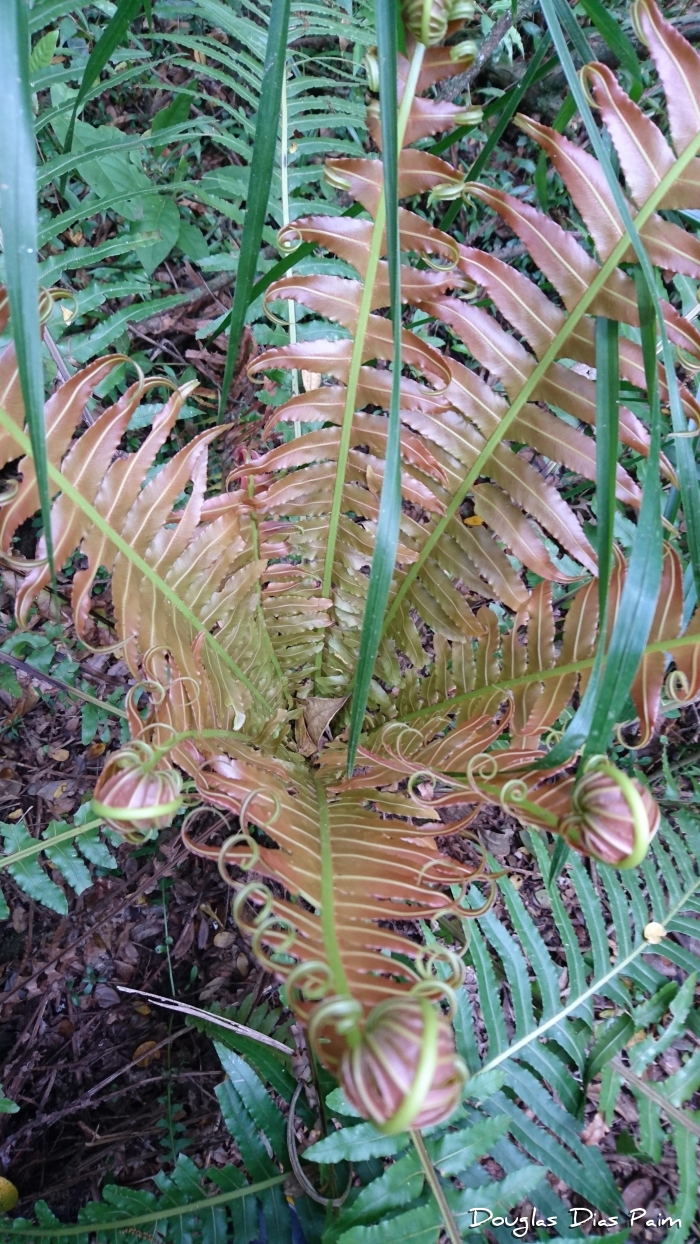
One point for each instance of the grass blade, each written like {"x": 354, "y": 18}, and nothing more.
{"x": 508, "y": 108}
{"x": 639, "y": 595}
{"x": 560, "y": 9}
{"x": 607, "y": 361}
{"x": 384, "y": 556}
{"x": 18, "y": 216}
{"x": 690, "y": 489}
{"x": 259, "y": 190}
{"x": 110, "y": 39}
{"x": 619, "y": 43}
{"x": 560, "y": 122}
{"x": 640, "y": 592}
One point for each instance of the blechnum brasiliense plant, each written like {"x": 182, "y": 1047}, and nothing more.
{"x": 240, "y": 612}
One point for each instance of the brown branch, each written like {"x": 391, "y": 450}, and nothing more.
{"x": 190, "y": 296}
{"x": 453, "y": 87}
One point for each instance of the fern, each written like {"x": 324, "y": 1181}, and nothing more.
{"x": 557, "y": 1048}
{"x": 524, "y": 1100}
{"x": 24, "y": 863}
{"x": 244, "y": 609}
{"x": 184, "y": 1211}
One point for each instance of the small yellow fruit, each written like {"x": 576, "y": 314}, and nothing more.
{"x": 9, "y": 1196}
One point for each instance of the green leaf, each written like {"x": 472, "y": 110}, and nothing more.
{"x": 97, "y": 341}
{"x": 28, "y": 873}
{"x": 173, "y": 114}
{"x": 560, "y": 122}
{"x": 337, "y": 1103}
{"x": 110, "y": 39}
{"x": 192, "y": 242}
{"x": 43, "y": 52}
{"x": 505, "y": 108}
{"x": 485, "y": 1084}
{"x": 160, "y": 218}
{"x": 356, "y": 1144}
{"x": 610, "y": 1085}
{"x": 246, "y": 1135}
{"x": 685, "y": 1205}
{"x": 493, "y": 1199}
{"x": 613, "y": 1037}
{"x": 641, "y": 588}
{"x": 456, "y": 1151}
{"x": 128, "y": 1224}
{"x": 7, "y": 1106}
{"x": 262, "y": 161}
{"x": 8, "y": 680}
{"x": 63, "y": 856}
{"x": 560, "y": 856}
{"x": 416, "y": 1226}
{"x": 401, "y": 1183}
{"x": 257, "y": 1101}
{"x": 94, "y": 849}
{"x": 685, "y": 452}
{"x": 578, "y": 732}
{"x": 18, "y": 218}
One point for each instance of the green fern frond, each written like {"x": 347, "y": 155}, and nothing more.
{"x": 551, "y": 1048}
{"x": 25, "y": 855}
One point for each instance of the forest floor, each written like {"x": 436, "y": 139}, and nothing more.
{"x": 111, "y": 1085}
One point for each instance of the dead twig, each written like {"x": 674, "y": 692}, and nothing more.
{"x": 184, "y": 1008}
{"x": 454, "y": 87}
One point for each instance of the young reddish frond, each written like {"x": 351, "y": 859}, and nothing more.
{"x": 241, "y": 612}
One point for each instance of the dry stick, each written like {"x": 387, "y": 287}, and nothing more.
{"x": 184, "y": 1008}
{"x": 35, "y": 676}
{"x": 64, "y": 370}
{"x": 462, "y": 82}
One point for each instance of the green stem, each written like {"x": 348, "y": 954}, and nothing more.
{"x": 359, "y": 341}
{"x": 267, "y": 639}
{"x": 667, "y": 1107}
{"x": 551, "y": 354}
{"x": 40, "y": 845}
{"x": 596, "y": 988}
{"x": 330, "y": 937}
{"x": 524, "y": 805}
{"x": 141, "y": 1220}
{"x": 451, "y": 1228}
{"x": 284, "y": 178}
{"x": 556, "y": 671}
{"x": 162, "y": 750}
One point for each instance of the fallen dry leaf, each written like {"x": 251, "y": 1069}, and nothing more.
{"x": 145, "y": 1053}
{"x": 595, "y": 1131}
{"x": 59, "y": 754}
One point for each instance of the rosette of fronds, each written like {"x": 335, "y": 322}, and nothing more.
{"x": 239, "y": 613}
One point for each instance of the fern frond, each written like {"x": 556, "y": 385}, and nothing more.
{"x": 243, "y": 612}
{"x": 58, "y": 844}
{"x": 546, "y": 1057}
